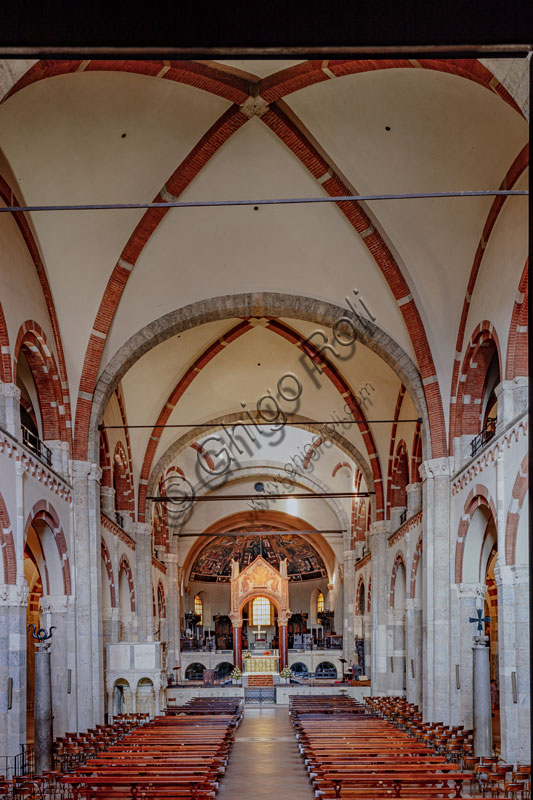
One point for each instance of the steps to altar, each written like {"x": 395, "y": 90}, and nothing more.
{"x": 266, "y": 679}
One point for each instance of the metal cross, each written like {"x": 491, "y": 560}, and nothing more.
{"x": 480, "y": 619}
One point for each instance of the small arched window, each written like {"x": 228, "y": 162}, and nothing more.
{"x": 261, "y": 611}
{"x": 320, "y": 603}
{"x": 199, "y": 609}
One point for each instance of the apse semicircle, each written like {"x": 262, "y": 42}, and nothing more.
{"x": 213, "y": 564}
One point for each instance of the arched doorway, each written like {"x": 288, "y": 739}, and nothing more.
{"x": 326, "y": 670}
{"x": 145, "y": 697}
{"x": 122, "y": 697}
{"x": 195, "y": 672}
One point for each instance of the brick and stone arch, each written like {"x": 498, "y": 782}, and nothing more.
{"x": 122, "y": 480}
{"x": 42, "y": 518}
{"x": 6, "y": 372}
{"x": 414, "y": 588}
{"x": 466, "y": 417}
{"x": 125, "y": 574}
{"x": 108, "y": 565}
{"x": 10, "y": 197}
{"x": 399, "y": 476}
{"x": 480, "y": 509}
{"x": 245, "y": 306}
{"x": 360, "y": 596}
{"x": 105, "y": 461}
{"x": 516, "y": 362}
{"x": 339, "y": 466}
{"x": 31, "y": 340}
{"x": 7, "y": 545}
{"x": 518, "y": 495}
{"x": 513, "y": 174}
{"x": 397, "y": 592}
{"x": 416, "y": 455}
{"x": 161, "y": 601}
{"x": 294, "y": 337}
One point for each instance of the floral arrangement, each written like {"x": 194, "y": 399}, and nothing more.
{"x": 286, "y": 672}
{"x": 236, "y": 674}
{"x": 247, "y": 654}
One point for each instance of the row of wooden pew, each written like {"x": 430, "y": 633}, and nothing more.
{"x": 351, "y": 752}
{"x": 180, "y": 755}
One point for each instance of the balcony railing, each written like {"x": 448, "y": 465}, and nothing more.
{"x": 403, "y": 516}
{"x": 36, "y": 446}
{"x": 482, "y": 438}
{"x": 119, "y": 519}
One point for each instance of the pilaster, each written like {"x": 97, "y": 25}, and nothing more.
{"x": 10, "y": 409}
{"x": 436, "y": 561}
{"x": 173, "y": 611}
{"x": 348, "y": 606}
{"x": 87, "y": 555}
{"x": 380, "y": 597}
{"x": 514, "y": 661}
{"x": 13, "y": 604}
{"x": 55, "y": 610}
{"x": 414, "y": 498}
{"x": 143, "y": 584}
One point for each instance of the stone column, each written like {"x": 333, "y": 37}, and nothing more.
{"x": 237, "y": 645}
{"x": 514, "y": 659}
{"x": 10, "y": 409}
{"x": 143, "y": 584}
{"x": 482, "y": 709}
{"x": 13, "y": 603}
{"x": 512, "y": 399}
{"x": 413, "y": 651}
{"x": 107, "y": 501}
{"x": 414, "y": 498}
{"x": 396, "y": 654}
{"x": 43, "y": 709}
{"x": 283, "y": 646}
{"x": 380, "y": 601}
{"x": 348, "y": 605}
{"x": 88, "y": 593}
{"x": 55, "y": 610}
{"x": 173, "y": 611}
{"x": 436, "y": 559}
{"x": 464, "y": 597}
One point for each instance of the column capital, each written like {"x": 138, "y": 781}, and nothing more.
{"x": 380, "y": 527}
{"x": 55, "y": 604}
{"x": 14, "y": 594}
{"x": 511, "y": 574}
{"x": 170, "y": 558}
{"x": 10, "y": 390}
{"x": 85, "y": 469}
{"x": 21, "y": 467}
{"x": 436, "y": 468}
{"x": 143, "y": 528}
{"x": 473, "y": 590}
{"x": 349, "y": 555}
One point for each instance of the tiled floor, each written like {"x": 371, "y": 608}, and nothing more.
{"x": 265, "y": 763}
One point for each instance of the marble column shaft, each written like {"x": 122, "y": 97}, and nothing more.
{"x": 436, "y": 562}
{"x": 88, "y": 593}
{"x": 380, "y": 601}
{"x": 56, "y": 610}
{"x": 143, "y": 583}
{"x": 413, "y": 650}
{"x": 348, "y": 606}
{"x": 43, "y": 710}
{"x": 481, "y": 697}
{"x": 13, "y": 604}
{"x": 173, "y": 611}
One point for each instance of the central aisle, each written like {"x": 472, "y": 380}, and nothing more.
{"x": 265, "y": 762}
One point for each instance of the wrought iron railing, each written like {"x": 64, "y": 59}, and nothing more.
{"x": 482, "y": 438}
{"x": 19, "y": 765}
{"x": 119, "y": 519}
{"x": 403, "y": 516}
{"x": 36, "y": 446}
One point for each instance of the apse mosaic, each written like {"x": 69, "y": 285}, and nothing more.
{"x": 214, "y": 563}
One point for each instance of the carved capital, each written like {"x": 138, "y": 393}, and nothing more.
{"x": 54, "y": 604}
{"x": 472, "y": 590}
{"x": 80, "y": 469}
{"x": 10, "y": 390}
{"x": 14, "y": 594}
{"x": 436, "y": 468}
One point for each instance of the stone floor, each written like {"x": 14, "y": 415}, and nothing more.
{"x": 265, "y": 763}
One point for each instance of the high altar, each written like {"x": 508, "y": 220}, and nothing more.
{"x": 260, "y": 579}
